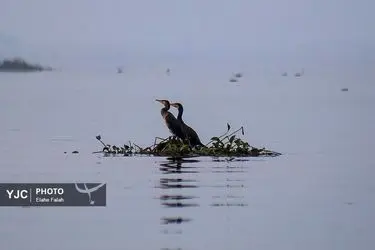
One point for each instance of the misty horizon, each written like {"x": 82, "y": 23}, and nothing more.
{"x": 123, "y": 33}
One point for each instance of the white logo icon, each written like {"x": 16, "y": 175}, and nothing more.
{"x": 89, "y": 191}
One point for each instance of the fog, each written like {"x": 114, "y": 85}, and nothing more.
{"x": 66, "y": 33}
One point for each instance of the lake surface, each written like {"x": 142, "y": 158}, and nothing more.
{"x": 318, "y": 195}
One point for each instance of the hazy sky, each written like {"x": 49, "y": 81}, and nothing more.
{"x": 117, "y": 29}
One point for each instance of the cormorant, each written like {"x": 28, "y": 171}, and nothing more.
{"x": 172, "y": 123}
{"x": 190, "y": 134}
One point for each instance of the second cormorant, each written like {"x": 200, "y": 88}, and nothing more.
{"x": 189, "y": 133}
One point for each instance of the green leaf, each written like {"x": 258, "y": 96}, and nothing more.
{"x": 184, "y": 148}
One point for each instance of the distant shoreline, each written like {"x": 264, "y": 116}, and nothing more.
{"x": 18, "y": 65}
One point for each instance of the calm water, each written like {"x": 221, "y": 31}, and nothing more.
{"x": 318, "y": 195}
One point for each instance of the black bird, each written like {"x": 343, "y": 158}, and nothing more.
{"x": 190, "y": 134}
{"x": 172, "y": 123}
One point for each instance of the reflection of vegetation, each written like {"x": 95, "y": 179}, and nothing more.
{"x": 227, "y": 145}
{"x": 20, "y": 65}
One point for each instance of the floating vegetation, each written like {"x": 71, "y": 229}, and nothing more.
{"x": 74, "y": 152}
{"x": 226, "y": 145}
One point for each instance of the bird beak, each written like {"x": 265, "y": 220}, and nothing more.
{"x": 158, "y": 101}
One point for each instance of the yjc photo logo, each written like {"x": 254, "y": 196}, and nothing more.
{"x": 53, "y": 194}
{"x": 17, "y": 194}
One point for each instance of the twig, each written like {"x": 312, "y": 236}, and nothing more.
{"x": 241, "y": 128}
{"x": 102, "y": 142}
{"x": 162, "y": 140}
{"x": 221, "y": 135}
{"x": 137, "y": 146}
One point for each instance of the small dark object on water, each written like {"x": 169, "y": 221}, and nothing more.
{"x": 285, "y": 74}
{"x": 233, "y": 80}
{"x": 238, "y": 75}
{"x": 299, "y": 74}
{"x": 65, "y": 152}
{"x": 75, "y": 152}
{"x": 344, "y": 89}
{"x": 174, "y": 220}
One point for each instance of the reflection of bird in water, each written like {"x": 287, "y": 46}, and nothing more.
{"x": 173, "y": 124}
{"x": 190, "y": 134}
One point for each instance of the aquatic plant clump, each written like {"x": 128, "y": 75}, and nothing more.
{"x": 226, "y": 145}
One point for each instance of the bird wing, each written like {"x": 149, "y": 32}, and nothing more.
{"x": 174, "y": 125}
{"x": 191, "y": 135}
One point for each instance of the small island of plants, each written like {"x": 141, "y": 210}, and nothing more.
{"x": 226, "y": 145}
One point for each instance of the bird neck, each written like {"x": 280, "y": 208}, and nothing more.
{"x": 165, "y": 110}
{"x": 180, "y": 112}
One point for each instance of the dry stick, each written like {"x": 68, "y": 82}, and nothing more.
{"x": 102, "y": 142}
{"x": 147, "y": 150}
{"x": 151, "y": 148}
{"x": 97, "y": 152}
{"x": 241, "y": 128}
{"x": 225, "y": 132}
{"x": 162, "y": 140}
{"x": 140, "y": 149}
{"x": 219, "y": 136}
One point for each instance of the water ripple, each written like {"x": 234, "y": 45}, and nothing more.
{"x": 187, "y": 186}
